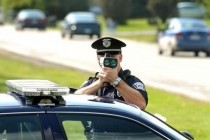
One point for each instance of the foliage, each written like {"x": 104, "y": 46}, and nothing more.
{"x": 118, "y": 10}
{"x": 206, "y": 3}
{"x": 61, "y": 7}
{"x": 19, "y": 4}
{"x": 138, "y": 30}
{"x": 162, "y": 9}
{"x": 52, "y": 7}
{"x": 138, "y": 9}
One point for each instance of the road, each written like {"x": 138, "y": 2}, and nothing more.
{"x": 183, "y": 73}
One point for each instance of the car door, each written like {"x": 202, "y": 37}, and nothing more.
{"x": 79, "y": 124}
{"x": 24, "y": 123}
{"x": 103, "y": 127}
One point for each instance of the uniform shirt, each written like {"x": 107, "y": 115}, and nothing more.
{"x": 110, "y": 91}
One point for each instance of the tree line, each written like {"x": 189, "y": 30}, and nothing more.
{"x": 119, "y": 10}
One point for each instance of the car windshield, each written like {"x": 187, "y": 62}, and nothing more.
{"x": 32, "y": 13}
{"x": 82, "y": 17}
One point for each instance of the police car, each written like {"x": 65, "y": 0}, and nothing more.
{"x": 35, "y": 109}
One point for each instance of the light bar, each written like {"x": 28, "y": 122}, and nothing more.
{"x": 33, "y": 87}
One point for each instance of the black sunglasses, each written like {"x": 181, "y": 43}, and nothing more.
{"x": 108, "y": 53}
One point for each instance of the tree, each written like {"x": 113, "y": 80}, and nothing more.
{"x": 118, "y": 10}
{"x": 60, "y": 8}
{"x": 206, "y": 4}
{"x": 57, "y": 8}
{"x": 138, "y": 9}
{"x": 163, "y": 9}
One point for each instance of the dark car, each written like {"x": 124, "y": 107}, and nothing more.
{"x": 80, "y": 23}
{"x": 44, "y": 110}
{"x": 185, "y": 34}
{"x": 31, "y": 18}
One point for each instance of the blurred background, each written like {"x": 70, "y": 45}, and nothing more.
{"x": 121, "y": 13}
{"x": 178, "y": 85}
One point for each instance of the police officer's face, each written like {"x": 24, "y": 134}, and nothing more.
{"x": 110, "y": 54}
{"x": 116, "y": 55}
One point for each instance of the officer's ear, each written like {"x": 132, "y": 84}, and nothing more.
{"x": 98, "y": 57}
{"x": 120, "y": 57}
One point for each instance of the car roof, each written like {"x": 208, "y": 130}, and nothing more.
{"x": 74, "y": 100}
{"x": 95, "y": 101}
{"x": 187, "y": 23}
{"x": 31, "y": 13}
{"x": 187, "y": 19}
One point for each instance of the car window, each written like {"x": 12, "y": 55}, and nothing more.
{"x": 193, "y": 25}
{"x": 20, "y": 128}
{"x": 99, "y": 127}
{"x": 81, "y": 17}
{"x": 32, "y": 14}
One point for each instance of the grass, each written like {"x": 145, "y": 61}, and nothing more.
{"x": 14, "y": 69}
{"x": 140, "y": 37}
{"x": 181, "y": 112}
{"x": 132, "y": 30}
{"x": 134, "y": 26}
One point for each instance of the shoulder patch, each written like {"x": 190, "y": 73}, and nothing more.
{"x": 139, "y": 85}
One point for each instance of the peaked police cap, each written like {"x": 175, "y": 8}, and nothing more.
{"x": 108, "y": 44}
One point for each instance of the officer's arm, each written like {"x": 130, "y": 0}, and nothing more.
{"x": 90, "y": 89}
{"x": 131, "y": 95}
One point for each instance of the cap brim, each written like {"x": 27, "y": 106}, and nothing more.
{"x": 109, "y": 50}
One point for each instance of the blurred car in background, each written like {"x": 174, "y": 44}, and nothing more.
{"x": 31, "y": 18}
{"x": 80, "y": 23}
{"x": 184, "y": 34}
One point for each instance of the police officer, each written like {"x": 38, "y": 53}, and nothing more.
{"x": 115, "y": 82}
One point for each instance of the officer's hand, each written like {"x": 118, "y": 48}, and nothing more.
{"x": 109, "y": 74}
{"x": 101, "y": 76}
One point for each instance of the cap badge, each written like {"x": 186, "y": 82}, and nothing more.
{"x": 106, "y": 43}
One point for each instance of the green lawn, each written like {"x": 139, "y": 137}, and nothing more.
{"x": 133, "y": 25}
{"x": 137, "y": 25}
{"x": 132, "y": 28}
{"x": 181, "y": 112}
{"x": 11, "y": 68}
